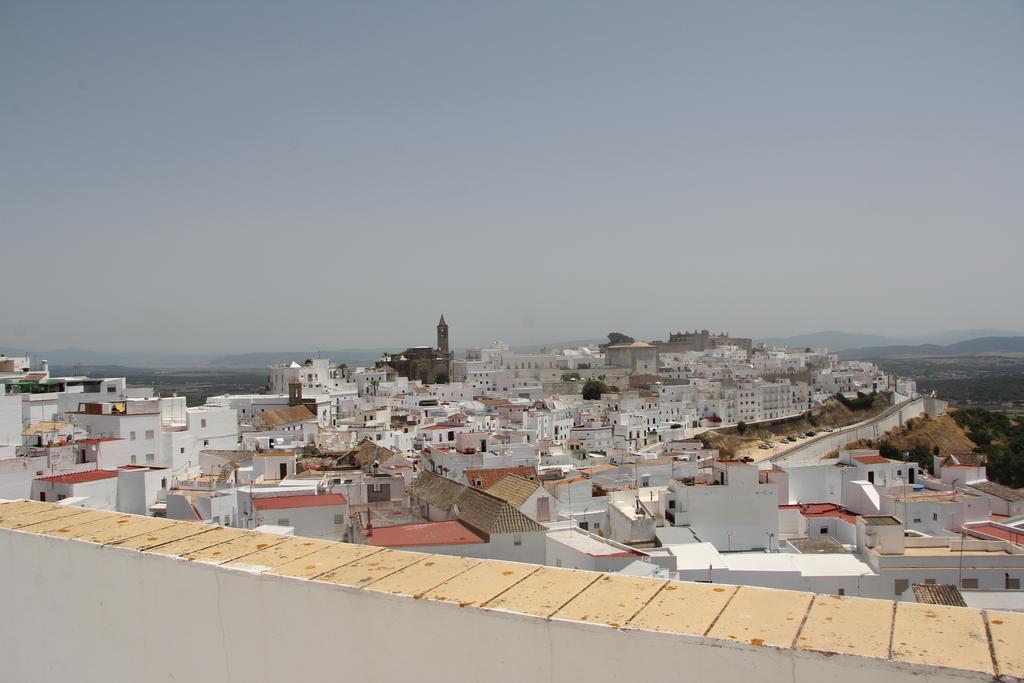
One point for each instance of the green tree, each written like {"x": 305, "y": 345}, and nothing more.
{"x": 741, "y": 427}
{"x": 570, "y": 376}
{"x": 593, "y": 389}
{"x": 619, "y": 338}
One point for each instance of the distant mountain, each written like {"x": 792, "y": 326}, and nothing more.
{"x": 970, "y": 347}
{"x": 832, "y": 340}
{"x": 843, "y": 341}
{"x": 73, "y": 356}
{"x": 264, "y": 358}
{"x": 571, "y": 344}
{"x": 956, "y": 336}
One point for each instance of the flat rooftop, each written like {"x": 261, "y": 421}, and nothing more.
{"x": 591, "y": 545}
{"x": 945, "y": 551}
{"x": 875, "y": 633}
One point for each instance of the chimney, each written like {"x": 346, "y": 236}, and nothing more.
{"x": 44, "y": 366}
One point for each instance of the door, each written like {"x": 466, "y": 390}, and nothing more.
{"x": 283, "y": 467}
{"x": 544, "y": 509}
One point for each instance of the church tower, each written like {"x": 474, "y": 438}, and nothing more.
{"x": 442, "y": 335}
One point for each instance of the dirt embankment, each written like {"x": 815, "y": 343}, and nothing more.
{"x": 833, "y": 415}
{"x": 942, "y": 431}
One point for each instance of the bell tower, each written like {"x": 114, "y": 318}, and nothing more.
{"x": 442, "y": 335}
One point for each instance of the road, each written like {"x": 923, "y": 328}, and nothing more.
{"x": 809, "y": 451}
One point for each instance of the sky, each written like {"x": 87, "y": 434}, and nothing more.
{"x": 242, "y": 176}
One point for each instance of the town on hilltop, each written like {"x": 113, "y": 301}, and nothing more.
{"x": 699, "y": 458}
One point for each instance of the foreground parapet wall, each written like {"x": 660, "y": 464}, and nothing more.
{"x": 100, "y": 596}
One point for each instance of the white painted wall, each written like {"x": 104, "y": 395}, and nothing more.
{"x": 106, "y": 593}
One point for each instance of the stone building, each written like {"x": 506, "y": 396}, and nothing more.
{"x": 429, "y": 365}
{"x": 680, "y": 342}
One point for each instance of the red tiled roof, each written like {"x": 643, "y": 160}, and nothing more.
{"x": 822, "y": 510}
{"x": 563, "y": 482}
{"x": 871, "y": 459}
{"x": 80, "y": 477}
{"x": 995, "y": 531}
{"x": 101, "y": 439}
{"x": 452, "y": 532}
{"x": 489, "y": 476}
{"x": 307, "y": 500}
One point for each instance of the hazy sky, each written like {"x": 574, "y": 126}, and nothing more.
{"x": 218, "y": 176}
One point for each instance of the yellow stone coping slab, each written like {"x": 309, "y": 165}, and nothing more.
{"x": 845, "y": 625}
{"x": 420, "y": 577}
{"x": 1007, "y": 633}
{"x": 762, "y": 616}
{"x": 323, "y": 561}
{"x": 371, "y": 568}
{"x": 543, "y": 592}
{"x": 611, "y": 600}
{"x": 17, "y": 508}
{"x": 953, "y": 637}
{"x": 235, "y": 548}
{"x": 210, "y": 536}
{"x": 58, "y": 526}
{"x": 27, "y": 518}
{"x": 480, "y": 583}
{"x": 162, "y": 536}
{"x": 990, "y": 642}
{"x": 685, "y": 608}
{"x": 293, "y": 548}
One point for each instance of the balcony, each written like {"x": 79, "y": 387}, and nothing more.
{"x": 277, "y": 607}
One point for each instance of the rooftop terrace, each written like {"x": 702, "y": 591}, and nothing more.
{"x": 123, "y": 579}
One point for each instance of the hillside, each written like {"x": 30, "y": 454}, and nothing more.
{"x": 919, "y": 437}
{"x": 942, "y": 431}
{"x": 970, "y": 347}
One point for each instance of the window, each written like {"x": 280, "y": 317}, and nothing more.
{"x": 206, "y": 442}
{"x": 202, "y": 423}
{"x": 339, "y": 519}
{"x": 133, "y": 459}
{"x": 823, "y": 530}
{"x": 150, "y": 434}
{"x": 917, "y": 520}
{"x": 111, "y": 390}
{"x": 930, "y": 582}
{"x": 150, "y": 457}
{"x": 900, "y": 586}
{"x": 968, "y": 583}
{"x": 517, "y": 539}
{"x": 131, "y": 436}
{"x": 935, "y": 516}
{"x": 283, "y": 521}
{"x": 1012, "y": 584}
{"x": 163, "y": 483}
{"x": 842, "y": 591}
{"x": 181, "y": 450}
